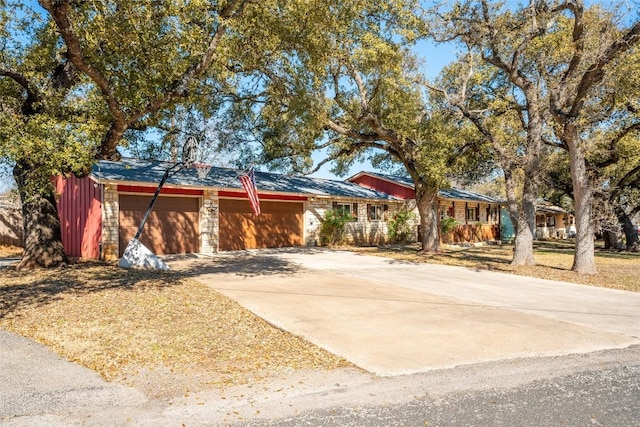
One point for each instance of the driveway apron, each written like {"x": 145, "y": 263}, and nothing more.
{"x": 392, "y": 317}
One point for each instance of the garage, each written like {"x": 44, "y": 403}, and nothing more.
{"x": 172, "y": 226}
{"x": 280, "y": 224}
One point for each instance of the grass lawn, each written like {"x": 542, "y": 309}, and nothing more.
{"x": 618, "y": 270}
{"x": 158, "y": 331}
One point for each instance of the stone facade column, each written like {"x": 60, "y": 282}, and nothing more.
{"x": 110, "y": 223}
{"x": 209, "y": 222}
{"x": 316, "y": 209}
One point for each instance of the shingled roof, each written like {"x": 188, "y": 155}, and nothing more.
{"x": 151, "y": 172}
{"x": 452, "y": 193}
{"x": 472, "y": 196}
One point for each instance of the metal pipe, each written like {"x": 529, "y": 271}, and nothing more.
{"x": 166, "y": 175}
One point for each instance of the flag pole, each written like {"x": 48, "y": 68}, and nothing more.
{"x": 188, "y": 159}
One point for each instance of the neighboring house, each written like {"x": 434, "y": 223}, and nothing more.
{"x": 553, "y": 222}
{"x": 11, "y": 232}
{"x": 101, "y": 213}
{"x": 477, "y": 215}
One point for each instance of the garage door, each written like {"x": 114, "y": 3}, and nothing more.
{"x": 278, "y": 225}
{"x": 172, "y": 226}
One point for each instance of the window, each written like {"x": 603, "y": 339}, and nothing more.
{"x": 471, "y": 214}
{"x": 343, "y": 208}
{"x": 347, "y": 209}
{"x": 494, "y": 215}
{"x": 376, "y": 212}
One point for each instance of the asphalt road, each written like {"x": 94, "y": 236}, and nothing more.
{"x": 601, "y": 397}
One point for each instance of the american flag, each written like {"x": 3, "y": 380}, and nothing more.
{"x": 249, "y": 184}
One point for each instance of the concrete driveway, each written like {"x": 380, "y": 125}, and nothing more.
{"x": 5, "y": 262}
{"x": 392, "y": 318}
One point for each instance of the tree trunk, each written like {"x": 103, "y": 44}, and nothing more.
{"x": 523, "y": 251}
{"x": 584, "y": 260}
{"x": 41, "y": 223}
{"x": 108, "y": 147}
{"x": 427, "y": 201}
{"x": 611, "y": 241}
{"x": 523, "y": 217}
{"x": 630, "y": 232}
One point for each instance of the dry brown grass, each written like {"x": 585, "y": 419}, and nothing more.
{"x": 10, "y": 251}
{"x": 157, "y": 330}
{"x": 618, "y": 270}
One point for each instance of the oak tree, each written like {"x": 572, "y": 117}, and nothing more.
{"x": 46, "y": 125}
{"x": 354, "y": 92}
{"x": 559, "y": 55}
{"x": 499, "y": 90}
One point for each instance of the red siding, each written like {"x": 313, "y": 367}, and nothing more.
{"x": 168, "y": 190}
{"x": 80, "y": 208}
{"x": 390, "y": 188}
{"x": 243, "y": 195}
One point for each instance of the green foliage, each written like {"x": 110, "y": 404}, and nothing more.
{"x": 447, "y": 225}
{"x": 313, "y": 83}
{"x": 46, "y": 125}
{"x": 332, "y": 228}
{"x": 401, "y": 226}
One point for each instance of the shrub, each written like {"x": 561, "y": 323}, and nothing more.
{"x": 333, "y": 226}
{"x": 447, "y": 225}
{"x": 400, "y": 226}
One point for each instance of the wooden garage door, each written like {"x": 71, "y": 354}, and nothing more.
{"x": 279, "y": 225}
{"x": 172, "y": 226}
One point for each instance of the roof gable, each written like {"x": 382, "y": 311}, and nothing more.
{"x": 404, "y": 181}
{"x": 451, "y": 194}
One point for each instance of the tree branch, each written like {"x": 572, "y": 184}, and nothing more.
{"x": 613, "y": 145}
{"x": 33, "y": 94}
{"x": 595, "y": 73}
{"x": 362, "y": 89}
{"x": 59, "y": 11}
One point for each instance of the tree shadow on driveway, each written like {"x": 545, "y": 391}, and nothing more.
{"x": 244, "y": 264}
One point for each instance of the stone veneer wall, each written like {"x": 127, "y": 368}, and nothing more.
{"x": 316, "y": 208}
{"x": 110, "y": 214}
{"x": 209, "y": 222}
{"x": 361, "y": 232}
